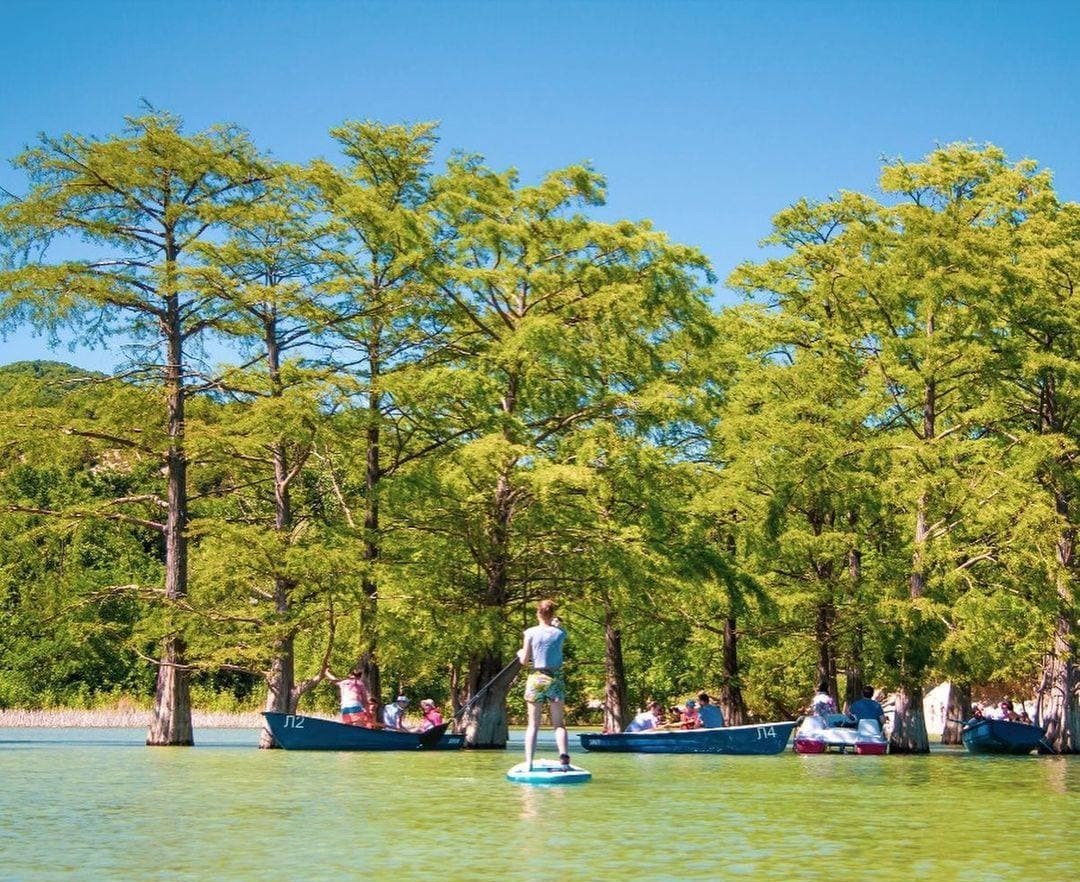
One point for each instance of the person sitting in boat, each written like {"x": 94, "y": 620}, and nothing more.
{"x": 1007, "y": 712}
{"x": 354, "y": 697}
{"x": 650, "y": 718}
{"x": 371, "y": 718}
{"x": 432, "y": 717}
{"x": 822, "y": 703}
{"x": 394, "y": 714}
{"x": 709, "y": 714}
{"x": 689, "y": 718}
{"x": 977, "y": 711}
{"x": 866, "y": 708}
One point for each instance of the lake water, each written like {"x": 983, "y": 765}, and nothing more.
{"x": 96, "y": 804}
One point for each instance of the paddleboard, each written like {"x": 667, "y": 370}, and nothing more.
{"x": 547, "y": 772}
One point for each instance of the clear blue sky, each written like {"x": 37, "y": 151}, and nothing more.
{"x": 706, "y": 117}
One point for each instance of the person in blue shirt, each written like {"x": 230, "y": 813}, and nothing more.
{"x": 710, "y": 715}
{"x": 543, "y": 646}
{"x": 868, "y": 709}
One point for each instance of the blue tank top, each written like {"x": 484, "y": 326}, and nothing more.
{"x": 546, "y": 642}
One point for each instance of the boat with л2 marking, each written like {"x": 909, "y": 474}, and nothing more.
{"x": 757, "y": 739}
{"x": 298, "y": 732}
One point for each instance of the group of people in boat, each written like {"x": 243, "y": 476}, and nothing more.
{"x": 1004, "y": 710}
{"x": 358, "y": 708}
{"x": 700, "y": 714}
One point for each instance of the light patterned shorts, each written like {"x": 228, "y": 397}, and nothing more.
{"x": 545, "y": 685}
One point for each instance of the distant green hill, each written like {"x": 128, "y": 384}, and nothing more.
{"x": 52, "y": 378}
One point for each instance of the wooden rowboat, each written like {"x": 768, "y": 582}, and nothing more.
{"x": 298, "y": 732}
{"x": 762, "y": 738}
{"x": 1001, "y": 736}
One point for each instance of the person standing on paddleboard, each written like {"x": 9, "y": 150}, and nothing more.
{"x": 543, "y": 646}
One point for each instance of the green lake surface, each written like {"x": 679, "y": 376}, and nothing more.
{"x": 96, "y": 804}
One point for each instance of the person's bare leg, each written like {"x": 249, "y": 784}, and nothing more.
{"x": 530, "y": 732}
{"x": 557, "y": 723}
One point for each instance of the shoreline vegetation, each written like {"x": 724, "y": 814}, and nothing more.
{"x": 119, "y": 718}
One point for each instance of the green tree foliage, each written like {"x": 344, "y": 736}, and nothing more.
{"x": 456, "y": 393}
{"x": 133, "y": 206}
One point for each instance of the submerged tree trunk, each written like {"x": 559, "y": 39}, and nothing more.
{"x": 171, "y": 721}
{"x": 731, "y": 698}
{"x": 1061, "y": 715}
{"x": 909, "y": 733}
{"x": 281, "y": 696}
{"x": 1058, "y": 710}
{"x": 909, "y": 722}
{"x": 485, "y": 723}
{"x": 369, "y": 664}
{"x": 957, "y": 709}
{"x": 280, "y": 681}
{"x": 616, "y": 715}
{"x": 170, "y": 724}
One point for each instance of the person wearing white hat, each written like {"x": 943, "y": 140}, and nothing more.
{"x": 393, "y": 714}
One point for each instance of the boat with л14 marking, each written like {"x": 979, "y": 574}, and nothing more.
{"x": 298, "y": 732}
{"x": 757, "y": 739}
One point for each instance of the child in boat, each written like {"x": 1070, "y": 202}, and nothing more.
{"x": 432, "y": 717}
{"x": 690, "y": 717}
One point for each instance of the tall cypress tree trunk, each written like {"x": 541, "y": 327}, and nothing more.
{"x": 853, "y": 672}
{"x": 485, "y": 723}
{"x": 616, "y": 716}
{"x": 171, "y": 720}
{"x": 909, "y": 733}
{"x": 731, "y": 697}
{"x": 1061, "y": 716}
{"x": 281, "y": 679}
{"x": 957, "y": 709}
{"x": 826, "y": 663}
{"x": 369, "y": 665}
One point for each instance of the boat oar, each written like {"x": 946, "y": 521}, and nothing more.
{"x": 485, "y": 688}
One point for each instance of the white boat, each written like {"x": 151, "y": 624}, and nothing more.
{"x": 840, "y": 733}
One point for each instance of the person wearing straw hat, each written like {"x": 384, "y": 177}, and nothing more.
{"x": 543, "y": 646}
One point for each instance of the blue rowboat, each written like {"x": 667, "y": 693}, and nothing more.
{"x": 298, "y": 732}
{"x": 761, "y": 738}
{"x": 1001, "y": 736}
